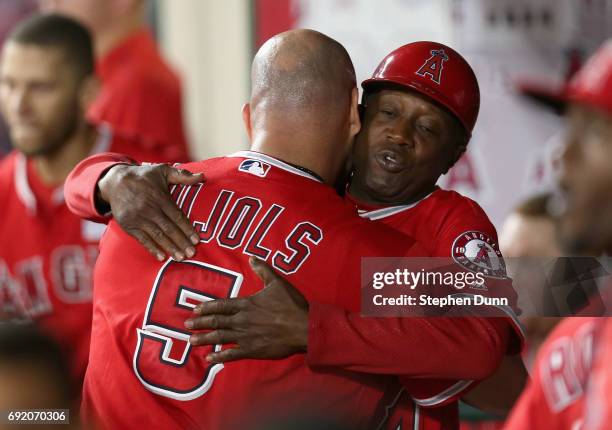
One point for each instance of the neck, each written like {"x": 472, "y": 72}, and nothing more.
{"x": 307, "y": 155}
{"x": 368, "y": 197}
{"x": 107, "y": 39}
{"x": 54, "y": 168}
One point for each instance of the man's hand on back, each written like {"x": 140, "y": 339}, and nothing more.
{"x": 270, "y": 324}
{"x": 140, "y": 202}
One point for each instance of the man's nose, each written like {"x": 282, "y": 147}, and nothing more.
{"x": 571, "y": 152}
{"x": 20, "y": 102}
{"x": 401, "y": 132}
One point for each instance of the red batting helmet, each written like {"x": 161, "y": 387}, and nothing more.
{"x": 437, "y": 71}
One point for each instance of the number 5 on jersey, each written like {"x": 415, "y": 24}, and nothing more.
{"x": 164, "y": 360}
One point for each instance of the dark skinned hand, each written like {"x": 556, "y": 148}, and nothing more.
{"x": 140, "y": 202}
{"x": 270, "y": 324}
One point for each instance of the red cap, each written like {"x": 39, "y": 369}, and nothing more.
{"x": 437, "y": 71}
{"x": 592, "y": 85}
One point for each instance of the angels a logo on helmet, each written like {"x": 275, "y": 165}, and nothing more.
{"x": 477, "y": 252}
{"x": 434, "y": 65}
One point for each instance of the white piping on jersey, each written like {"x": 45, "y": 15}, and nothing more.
{"x": 273, "y": 161}
{"x": 388, "y": 211}
{"x": 417, "y": 417}
{"x": 22, "y": 185}
{"x": 444, "y": 395}
{"x": 24, "y": 192}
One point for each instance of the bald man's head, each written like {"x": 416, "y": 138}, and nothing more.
{"x": 304, "y": 102}
{"x": 302, "y": 72}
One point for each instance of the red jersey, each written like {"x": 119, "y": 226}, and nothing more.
{"x": 419, "y": 348}
{"x": 47, "y": 253}
{"x": 142, "y": 370}
{"x": 554, "y": 398}
{"x": 598, "y": 407}
{"x": 342, "y": 339}
{"x": 141, "y": 97}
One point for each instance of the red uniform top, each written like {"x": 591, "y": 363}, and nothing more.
{"x": 142, "y": 371}
{"x": 141, "y": 97}
{"x": 47, "y": 253}
{"x": 387, "y": 346}
{"x": 598, "y": 407}
{"x": 346, "y": 340}
{"x": 554, "y": 398}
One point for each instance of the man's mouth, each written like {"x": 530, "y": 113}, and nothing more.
{"x": 390, "y": 160}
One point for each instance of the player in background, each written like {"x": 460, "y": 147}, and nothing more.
{"x": 414, "y": 130}
{"x": 530, "y": 232}
{"x": 555, "y": 398}
{"x": 141, "y": 95}
{"x": 301, "y": 121}
{"x": 47, "y": 253}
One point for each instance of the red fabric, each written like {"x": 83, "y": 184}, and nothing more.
{"x": 81, "y": 183}
{"x": 125, "y": 361}
{"x": 342, "y": 339}
{"x": 419, "y": 347}
{"x": 273, "y": 17}
{"x": 372, "y": 345}
{"x": 554, "y": 397}
{"x": 45, "y": 262}
{"x": 598, "y": 408}
{"x": 141, "y": 97}
{"x": 47, "y": 254}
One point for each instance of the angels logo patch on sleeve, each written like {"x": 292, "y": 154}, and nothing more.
{"x": 478, "y": 253}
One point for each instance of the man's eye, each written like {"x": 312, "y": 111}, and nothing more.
{"x": 427, "y": 130}
{"x": 42, "y": 86}
{"x": 387, "y": 112}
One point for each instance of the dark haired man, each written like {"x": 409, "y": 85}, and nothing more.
{"x": 46, "y": 253}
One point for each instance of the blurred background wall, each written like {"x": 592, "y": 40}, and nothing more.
{"x": 210, "y": 44}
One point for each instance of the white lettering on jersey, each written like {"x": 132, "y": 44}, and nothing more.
{"x": 25, "y": 293}
{"x": 243, "y": 222}
{"x": 564, "y": 372}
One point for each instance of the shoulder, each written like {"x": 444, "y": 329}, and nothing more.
{"x": 7, "y": 169}
{"x": 569, "y": 328}
{"x": 150, "y": 78}
{"x": 8, "y": 161}
{"x": 570, "y": 336}
{"x": 458, "y": 204}
{"x": 460, "y": 213}
{"x": 214, "y": 167}
{"x": 7, "y": 175}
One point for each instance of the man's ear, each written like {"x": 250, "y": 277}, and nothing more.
{"x": 355, "y": 117}
{"x": 246, "y": 118}
{"x": 90, "y": 87}
{"x": 457, "y": 153}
